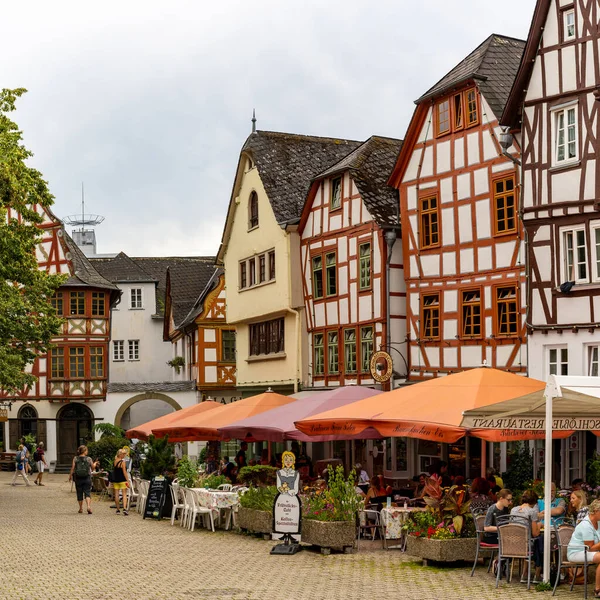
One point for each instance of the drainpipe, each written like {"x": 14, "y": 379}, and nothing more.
{"x": 293, "y": 310}
{"x": 390, "y": 236}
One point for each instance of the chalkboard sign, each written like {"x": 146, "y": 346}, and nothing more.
{"x": 157, "y": 494}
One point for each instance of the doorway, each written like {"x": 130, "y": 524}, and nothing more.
{"x": 74, "y": 427}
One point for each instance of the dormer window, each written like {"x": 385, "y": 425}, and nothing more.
{"x": 336, "y": 193}
{"x": 253, "y": 211}
{"x": 456, "y": 112}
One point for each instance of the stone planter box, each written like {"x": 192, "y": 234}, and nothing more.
{"x": 329, "y": 535}
{"x": 442, "y": 550}
{"x": 255, "y": 521}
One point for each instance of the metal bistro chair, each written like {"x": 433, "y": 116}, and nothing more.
{"x": 563, "y": 537}
{"x": 479, "y": 520}
{"x": 514, "y": 541}
{"x": 375, "y": 526}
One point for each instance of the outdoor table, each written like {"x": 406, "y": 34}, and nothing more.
{"x": 393, "y": 519}
{"x": 217, "y": 499}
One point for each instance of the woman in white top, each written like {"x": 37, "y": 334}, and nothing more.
{"x": 587, "y": 534}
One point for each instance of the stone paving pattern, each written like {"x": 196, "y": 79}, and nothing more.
{"x": 49, "y": 551}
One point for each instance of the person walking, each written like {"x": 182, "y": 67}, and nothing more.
{"x": 20, "y": 459}
{"x": 40, "y": 458}
{"x": 120, "y": 480}
{"x": 26, "y": 465}
{"x": 81, "y": 473}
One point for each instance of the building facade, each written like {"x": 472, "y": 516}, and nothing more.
{"x": 260, "y": 255}
{"x": 351, "y": 260}
{"x": 463, "y": 249}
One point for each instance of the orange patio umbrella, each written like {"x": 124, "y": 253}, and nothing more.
{"x": 429, "y": 410}
{"x": 143, "y": 431}
{"x": 205, "y": 426}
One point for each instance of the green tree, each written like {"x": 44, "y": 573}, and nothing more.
{"x": 27, "y": 320}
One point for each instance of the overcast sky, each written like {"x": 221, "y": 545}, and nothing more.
{"x": 149, "y": 102}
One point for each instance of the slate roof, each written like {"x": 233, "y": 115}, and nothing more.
{"x": 287, "y": 163}
{"x": 370, "y": 167}
{"x": 84, "y": 273}
{"x": 189, "y": 276}
{"x": 494, "y": 63}
{"x": 198, "y": 306}
{"x": 121, "y": 268}
{"x": 156, "y": 386}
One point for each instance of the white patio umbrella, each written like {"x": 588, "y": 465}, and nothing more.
{"x": 566, "y": 404}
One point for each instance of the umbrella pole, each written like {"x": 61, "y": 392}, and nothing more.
{"x": 483, "y": 458}
{"x": 547, "y": 487}
{"x": 269, "y": 451}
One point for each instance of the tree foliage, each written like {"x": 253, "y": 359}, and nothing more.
{"x": 160, "y": 458}
{"x": 27, "y": 320}
{"x": 520, "y": 468}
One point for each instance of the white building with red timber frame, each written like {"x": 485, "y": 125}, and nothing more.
{"x": 462, "y": 241}
{"x": 351, "y": 260}
{"x": 553, "y": 110}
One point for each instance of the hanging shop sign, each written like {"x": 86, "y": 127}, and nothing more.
{"x": 381, "y": 366}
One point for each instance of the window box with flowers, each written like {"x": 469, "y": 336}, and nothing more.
{"x": 178, "y": 362}
{"x": 329, "y": 514}
{"x": 445, "y": 531}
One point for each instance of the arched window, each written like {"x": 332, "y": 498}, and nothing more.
{"x": 253, "y": 211}
{"x": 27, "y": 421}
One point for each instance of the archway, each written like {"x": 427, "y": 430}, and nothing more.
{"x": 74, "y": 427}
{"x": 156, "y": 405}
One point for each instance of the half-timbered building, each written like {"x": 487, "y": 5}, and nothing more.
{"x": 459, "y": 204}
{"x": 59, "y": 408}
{"x": 553, "y": 110}
{"x": 351, "y": 260}
{"x": 260, "y": 254}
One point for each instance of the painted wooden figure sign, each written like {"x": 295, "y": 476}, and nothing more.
{"x": 287, "y": 507}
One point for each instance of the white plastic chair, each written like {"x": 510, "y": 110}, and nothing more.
{"x": 225, "y": 487}
{"x": 196, "y": 510}
{"x": 178, "y": 504}
{"x": 143, "y": 495}
{"x": 133, "y": 492}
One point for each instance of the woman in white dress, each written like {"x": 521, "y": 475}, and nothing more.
{"x": 287, "y": 503}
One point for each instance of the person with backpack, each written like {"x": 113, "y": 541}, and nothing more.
{"x": 40, "y": 459}
{"x": 20, "y": 459}
{"x": 120, "y": 480}
{"x": 81, "y": 473}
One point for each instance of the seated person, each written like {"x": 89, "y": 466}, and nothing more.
{"x": 374, "y": 491}
{"x": 499, "y": 509}
{"x": 480, "y": 495}
{"x": 229, "y": 469}
{"x": 576, "y": 484}
{"x": 578, "y": 508}
{"x": 587, "y": 534}
{"x": 529, "y": 510}
{"x": 362, "y": 475}
{"x": 558, "y": 507}
{"x": 387, "y": 489}
{"x": 421, "y": 482}
{"x": 264, "y": 456}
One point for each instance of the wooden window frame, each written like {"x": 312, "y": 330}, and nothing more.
{"x": 327, "y": 269}
{"x": 495, "y": 196}
{"x": 272, "y": 271}
{"x": 595, "y": 249}
{"x": 57, "y": 363}
{"x": 253, "y": 220}
{"x": 133, "y": 350}
{"x": 324, "y": 274}
{"x": 136, "y": 303}
{"x": 472, "y": 304}
{"x": 477, "y": 120}
{"x": 98, "y": 302}
{"x": 463, "y": 102}
{"x": 555, "y": 113}
{"x": 437, "y": 112}
{"x": 78, "y": 296}
{"x": 427, "y": 213}
{"x": 564, "y": 11}
{"x": 97, "y": 362}
{"x": 560, "y": 363}
{"x": 268, "y": 336}
{"x": 58, "y": 304}
{"x": 348, "y": 345}
{"x": 118, "y": 351}
{"x": 331, "y": 345}
{"x": 332, "y": 181}
{"x": 321, "y": 348}
{"x": 593, "y": 360}
{"x": 425, "y": 334}
{"x": 564, "y": 268}
{"x": 262, "y": 268}
{"x": 362, "y": 259}
{"x": 314, "y": 272}
{"x": 78, "y": 353}
{"x": 222, "y": 357}
{"x": 252, "y": 280}
{"x": 243, "y": 275}
{"x": 497, "y": 302}
{"x": 365, "y": 367}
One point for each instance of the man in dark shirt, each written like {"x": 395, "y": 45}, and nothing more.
{"x": 240, "y": 457}
{"x": 496, "y": 510}
{"x": 229, "y": 470}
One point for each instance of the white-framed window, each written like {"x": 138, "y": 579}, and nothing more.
{"x": 569, "y": 25}
{"x": 135, "y": 298}
{"x": 558, "y": 361}
{"x": 565, "y": 135}
{"x": 133, "y": 349}
{"x": 575, "y": 266}
{"x": 595, "y": 233}
{"x": 118, "y": 350}
{"x": 593, "y": 365}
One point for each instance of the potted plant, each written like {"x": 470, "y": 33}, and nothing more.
{"x": 444, "y": 532}
{"x": 256, "y": 510}
{"x": 187, "y": 472}
{"x": 177, "y": 363}
{"x": 257, "y": 475}
{"x": 329, "y": 514}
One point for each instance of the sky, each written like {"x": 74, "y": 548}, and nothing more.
{"x": 149, "y": 103}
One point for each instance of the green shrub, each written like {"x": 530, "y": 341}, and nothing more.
{"x": 257, "y": 475}
{"x": 160, "y": 458}
{"x": 105, "y": 450}
{"x": 187, "y": 472}
{"x": 337, "y": 502}
{"x": 520, "y": 470}
{"x": 259, "y": 498}
{"x": 212, "y": 482}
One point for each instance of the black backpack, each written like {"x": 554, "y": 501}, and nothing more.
{"x": 82, "y": 466}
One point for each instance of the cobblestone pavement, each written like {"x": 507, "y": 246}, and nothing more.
{"x": 49, "y": 551}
